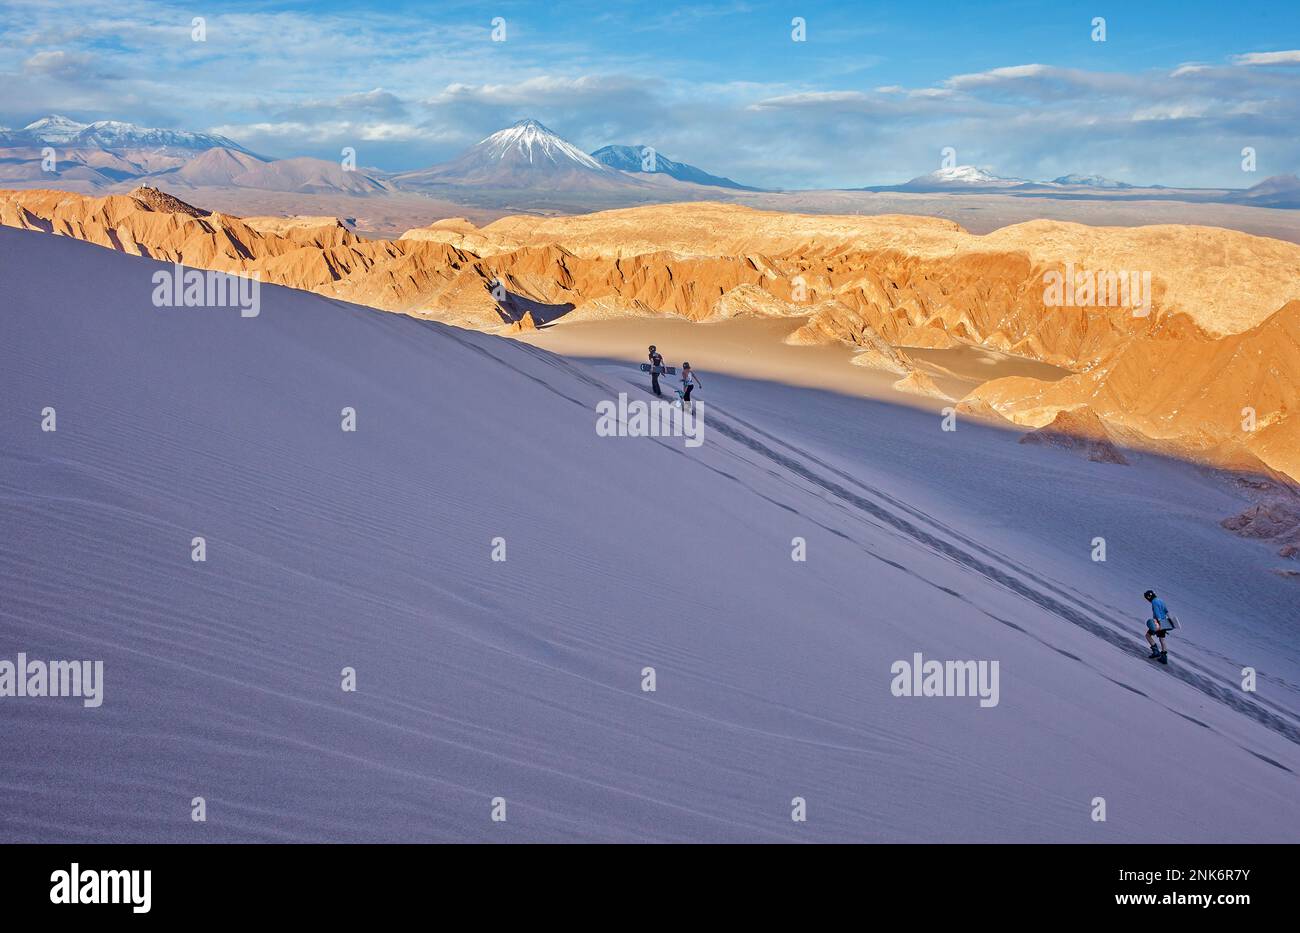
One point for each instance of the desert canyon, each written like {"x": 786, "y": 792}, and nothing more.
{"x": 1210, "y": 371}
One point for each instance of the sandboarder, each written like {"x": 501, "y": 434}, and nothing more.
{"x": 689, "y": 382}
{"x": 656, "y": 367}
{"x": 1157, "y": 626}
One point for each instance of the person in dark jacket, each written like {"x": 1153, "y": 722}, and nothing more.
{"x": 656, "y": 367}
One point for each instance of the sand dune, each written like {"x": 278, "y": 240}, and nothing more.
{"x": 523, "y": 678}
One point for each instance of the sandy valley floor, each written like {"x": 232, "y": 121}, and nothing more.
{"x": 755, "y": 349}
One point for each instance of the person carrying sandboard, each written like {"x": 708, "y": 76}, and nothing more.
{"x": 1159, "y": 625}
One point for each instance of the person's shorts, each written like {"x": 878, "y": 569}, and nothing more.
{"x": 1155, "y": 629}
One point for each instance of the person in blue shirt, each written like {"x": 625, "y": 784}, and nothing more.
{"x": 1157, "y": 625}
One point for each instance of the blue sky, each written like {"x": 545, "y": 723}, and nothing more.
{"x": 872, "y": 97}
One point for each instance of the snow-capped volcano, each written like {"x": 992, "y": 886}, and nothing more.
{"x": 525, "y": 155}
{"x": 960, "y": 176}
{"x": 965, "y": 175}
{"x": 52, "y": 129}
{"x": 531, "y": 142}
{"x": 56, "y": 130}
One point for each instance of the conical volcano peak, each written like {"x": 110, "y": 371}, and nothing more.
{"x": 529, "y": 142}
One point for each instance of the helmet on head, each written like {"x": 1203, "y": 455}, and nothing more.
{"x": 686, "y": 366}
{"x": 652, "y": 346}
{"x": 1149, "y": 595}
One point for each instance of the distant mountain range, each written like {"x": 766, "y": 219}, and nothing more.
{"x": 1090, "y": 181}
{"x": 525, "y": 155}
{"x": 523, "y": 164}
{"x": 970, "y": 178}
{"x": 55, "y": 130}
{"x": 107, "y": 153}
{"x": 635, "y": 158}
{"x": 221, "y": 167}
{"x": 528, "y": 155}
{"x": 958, "y": 177}
{"x": 1279, "y": 191}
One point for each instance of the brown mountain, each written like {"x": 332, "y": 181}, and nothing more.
{"x": 220, "y": 167}
{"x": 1230, "y": 397}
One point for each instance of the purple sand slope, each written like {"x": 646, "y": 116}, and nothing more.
{"x": 522, "y": 679}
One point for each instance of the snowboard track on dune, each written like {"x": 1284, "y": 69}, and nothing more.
{"x": 956, "y": 547}
{"x": 1039, "y": 592}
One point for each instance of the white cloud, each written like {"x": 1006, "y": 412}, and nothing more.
{"x": 330, "y": 132}
{"x": 805, "y": 99}
{"x": 998, "y": 76}
{"x": 62, "y": 65}
{"x": 1170, "y": 112}
{"x": 536, "y": 89}
{"x": 1291, "y": 57}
